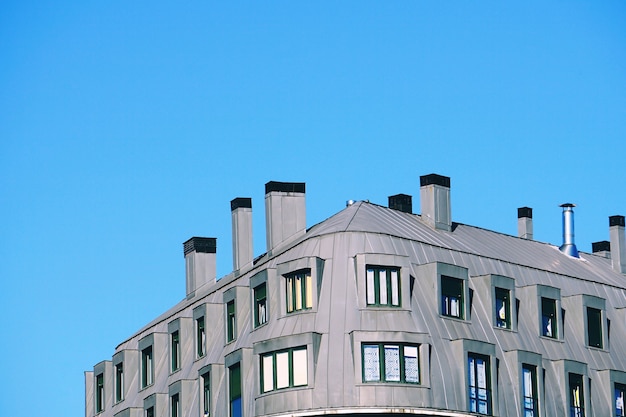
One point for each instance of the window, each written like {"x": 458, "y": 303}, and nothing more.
{"x": 260, "y": 305}
{"x": 147, "y": 367}
{"x": 620, "y": 411}
{"x": 99, "y": 393}
{"x": 206, "y": 395}
{"x": 479, "y": 384}
{"x": 452, "y": 297}
{"x": 594, "y": 327}
{"x": 299, "y": 291}
{"x": 150, "y": 412}
{"x": 174, "y": 406}
{"x": 231, "y": 323}
{"x": 548, "y": 318}
{"x": 284, "y": 369}
{"x": 529, "y": 381}
{"x": 200, "y": 337}
{"x": 175, "y": 350}
{"x": 234, "y": 391}
{"x": 503, "y": 308}
{"x": 576, "y": 395}
{"x": 119, "y": 382}
{"x": 383, "y": 286}
{"x": 384, "y": 362}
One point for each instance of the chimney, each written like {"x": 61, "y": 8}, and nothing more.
{"x": 435, "y": 201}
{"x": 241, "y": 213}
{"x": 525, "y": 223}
{"x": 401, "y": 202}
{"x": 200, "y": 265}
{"x": 568, "y": 247}
{"x": 285, "y": 211}
{"x": 602, "y": 248}
{"x": 618, "y": 243}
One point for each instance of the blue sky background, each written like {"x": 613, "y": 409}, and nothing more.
{"x": 127, "y": 127}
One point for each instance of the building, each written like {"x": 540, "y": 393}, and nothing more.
{"x": 378, "y": 311}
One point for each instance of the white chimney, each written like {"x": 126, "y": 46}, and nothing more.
{"x": 200, "y": 265}
{"x": 285, "y": 211}
{"x": 241, "y": 213}
{"x": 525, "y": 223}
{"x": 618, "y": 243}
{"x": 435, "y": 201}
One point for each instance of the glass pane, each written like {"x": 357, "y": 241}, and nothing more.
{"x": 309, "y": 291}
{"x": 298, "y": 292}
{"x": 619, "y": 400}
{"x": 392, "y": 363}
{"x": 300, "y": 367}
{"x": 395, "y": 296}
{"x": 371, "y": 363}
{"x": 411, "y": 368}
{"x": 382, "y": 282}
{"x": 235, "y": 407}
{"x": 371, "y": 290}
{"x": 268, "y": 373}
{"x": 282, "y": 370}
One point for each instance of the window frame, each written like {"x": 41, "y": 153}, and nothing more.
{"x": 175, "y": 356}
{"x": 119, "y": 382}
{"x": 554, "y": 324}
{"x": 99, "y": 393}
{"x": 205, "y": 394}
{"x": 291, "y": 383}
{"x": 231, "y": 321}
{"x": 619, "y": 388}
{"x": 382, "y": 362}
{"x": 473, "y": 368}
{"x": 260, "y": 318}
{"x": 534, "y": 397}
{"x": 235, "y": 392}
{"x": 503, "y": 294}
{"x": 175, "y": 405}
{"x": 200, "y": 331}
{"x": 147, "y": 366}
{"x": 303, "y": 294}
{"x": 576, "y": 410}
{"x": 375, "y": 288}
{"x": 447, "y": 294}
{"x": 594, "y": 329}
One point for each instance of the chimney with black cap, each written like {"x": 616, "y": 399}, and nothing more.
{"x": 401, "y": 202}
{"x": 618, "y": 243}
{"x": 200, "y": 265}
{"x": 241, "y": 214}
{"x": 435, "y": 201}
{"x": 602, "y": 248}
{"x": 525, "y": 223}
{"x": 285, "y": 211}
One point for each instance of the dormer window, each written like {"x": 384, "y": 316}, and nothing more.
{"x": 383, "y": 286}
{"x": 452, "y": 297}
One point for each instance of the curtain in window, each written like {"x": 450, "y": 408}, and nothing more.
{"x": 411, "y": 368}
{"x": 392, "y": 363}
{"x": 371, "y": 363}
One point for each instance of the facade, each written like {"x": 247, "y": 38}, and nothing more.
{"x": 379, "y": 311}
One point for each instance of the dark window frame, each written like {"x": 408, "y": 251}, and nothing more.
{"x": 576, "y": 400}
{"x": 549, "y": 318}
{"x": 261, "y": 315}
{"x": 452, "y": 289}
{"x": 474, "y": 391}
{"x": 382, "y": 363}
{"x": 305, "y": 280}
{"x": 291, "y": 383}
{"x": 503, "y": 304}
{"x": 594, "y": 328}
{"x": 374, "y": 288}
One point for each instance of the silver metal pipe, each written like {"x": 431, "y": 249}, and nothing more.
{"x": 568, "y": 247}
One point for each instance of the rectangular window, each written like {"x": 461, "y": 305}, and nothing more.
{"x": 479, "y": 384}
{"x": 452, "y": 297}
{"x": 382, "y": 286}
{"x": 206, "y": 395}
{"x": 231, "y": 323}
{"x": 234, "y": 390}
{"x": 147, "y": 367}
{"x": 384, "y": 362}
{"x": 175, "y": 406}
{"x": 620, "y": 411}
{"x": 175, "y": 350}
{"x": 548, "y": 318}
{"x": 150, "y": 412}
{"x": 119, "y": 382}
{"x": 99, "y": 393}
{"x": 299, "y": 291}
{"x": 503, "y": 308}
{"x": 594, "y": 327}
{"x": 529, "y": 387}
{"x": 284, "y": 369}
{"x": 576, "y": 396}
{"x": 200, "y": 337}
{"x": 260, "y": 305}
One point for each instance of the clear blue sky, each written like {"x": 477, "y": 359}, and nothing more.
{"x": 127, "y": 127}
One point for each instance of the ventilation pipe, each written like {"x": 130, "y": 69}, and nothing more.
{"x": 525, "y": 223}
{"x": 568, "y": 247}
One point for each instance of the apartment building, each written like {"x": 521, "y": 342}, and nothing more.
{"x": 378, "y": 311}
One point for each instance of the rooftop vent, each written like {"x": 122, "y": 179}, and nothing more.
{"x": 401, "y": 202}
{"x": 568, "y": 247}
{"x": 602, "y": 248}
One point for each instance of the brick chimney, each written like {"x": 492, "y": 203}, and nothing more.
{"x": 200, "y": 265}
{"x": 285, "y": 211}
{"x": 435, "y": 201}
{"x": 241, "y": 213}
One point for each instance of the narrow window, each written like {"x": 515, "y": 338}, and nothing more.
{"x": 548, "y": 318}
{"x": 620, "y": 411}
{"x": 284, "y": 369}
{"x": 175, "y": 350}
{"x": 594, "y": 327}
{"x": 260, "y": 305}
{"x": 150, "y": 412}
{"x": 200, "y": 337}
{"x": 382, "y": 286}
{"x": 231, "y": 323}
{"x": 234, "y": 392}
{"x": 206, "y": 395}
{"x": 529, "y": 381}
{"x": 175, "y": 406}
{"x": 383, "y": 362}
{"x": 479, "y": 384}
{"x": 576, "y": 396}
{"x": 147, "y": 370}
{"x": 299, "y": 291}
{"x": 99, "y": 393}
{"x": 452, "y": 297}
{"x": 119, "y": 382}
{"x": 503, "y": 308}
